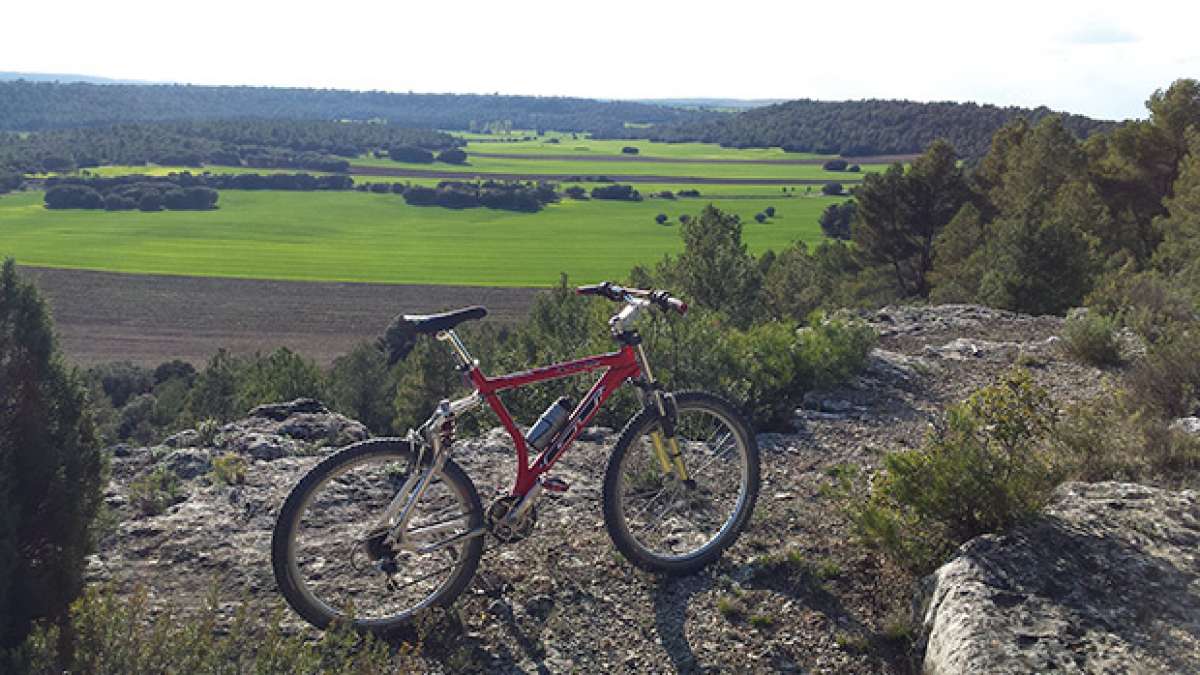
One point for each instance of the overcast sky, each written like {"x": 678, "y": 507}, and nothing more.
{"x": 1098, "y": 58}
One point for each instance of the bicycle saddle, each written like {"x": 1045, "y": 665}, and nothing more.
{"x": 433, "y": 323}
{"x": 401, "y": 335}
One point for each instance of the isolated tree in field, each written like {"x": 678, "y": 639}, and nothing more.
{"x": 660, "y": 218}
{"x": 770, "y": 211}
{"x": 629, "y": 150}
{"x": 50, "y": 467}
{"x": 760, "y": 217}
{"x": 835, "y": 165}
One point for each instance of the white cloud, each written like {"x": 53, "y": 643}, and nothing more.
{"x": 1097, "y": 57}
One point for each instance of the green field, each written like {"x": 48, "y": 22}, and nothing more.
{"x": 585, "y": 147}
{"x": 351, "y": 236}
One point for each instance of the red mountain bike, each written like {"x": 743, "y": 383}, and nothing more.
{"x": 386, "y": 527}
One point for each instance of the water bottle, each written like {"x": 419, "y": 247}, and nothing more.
{"x": 548, "y": 425}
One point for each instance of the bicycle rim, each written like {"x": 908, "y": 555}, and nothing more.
{"x": 673, "y": 521}
{"x": 336, "y": 555}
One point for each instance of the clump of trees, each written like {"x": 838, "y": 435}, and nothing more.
{"x": 617, "y": 192}
{"x": 629, "y": 150}
{"x": 176, "y": 191}
{"x": 527, "y": 197}
{"x": 833, "y": 189}
{"x": 452, "y": 156}
{"x": 410, "y": 154}
{"x": 835, "y": 165}
{"x": 146, "y": 196}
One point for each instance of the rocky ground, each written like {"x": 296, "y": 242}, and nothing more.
{"x": 795, "y": 594}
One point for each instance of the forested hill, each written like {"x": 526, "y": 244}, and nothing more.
{"x": 870, "y": 127}
{"x": 32, "y": 106}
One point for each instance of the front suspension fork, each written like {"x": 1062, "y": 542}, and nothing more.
{"x": 666, "y": 445}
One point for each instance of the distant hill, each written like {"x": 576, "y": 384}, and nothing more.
{"x": 31, "y": 106}
{"x": 64, "y": 77}
{"x": 713, "y": 103}
{"x": 868, "y": 127}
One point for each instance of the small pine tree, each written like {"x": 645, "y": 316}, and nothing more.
{"x": 50, "y": 467}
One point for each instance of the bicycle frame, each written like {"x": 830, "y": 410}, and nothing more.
{"x": 621, "y": 365}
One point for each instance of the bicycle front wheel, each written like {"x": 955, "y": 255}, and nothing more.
{"x": 662, "y": 524}
{"x": 329, "y": 549}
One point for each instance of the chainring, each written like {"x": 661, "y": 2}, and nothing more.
{"x": 508, "y": 533}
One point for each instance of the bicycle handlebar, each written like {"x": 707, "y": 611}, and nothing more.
{"x": 607, "y": 289}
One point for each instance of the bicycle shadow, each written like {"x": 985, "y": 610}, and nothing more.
{"x": 673, "y": 597}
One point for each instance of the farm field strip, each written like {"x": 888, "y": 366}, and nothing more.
{"x": 584, "y": 145}
{"x": 656, "y": 171}
{"x": 350, "y": 236}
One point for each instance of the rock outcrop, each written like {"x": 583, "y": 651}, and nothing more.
{"x": 1106, "y": 581}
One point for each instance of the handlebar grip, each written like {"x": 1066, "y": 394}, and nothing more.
{"x": 677, "y": 305}
{"x": 591, "y": 289}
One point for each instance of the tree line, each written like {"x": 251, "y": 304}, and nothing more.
{"x": 33, "y": 106}
{"x": 298, "y": 144}
{"x": 858, "y": 128}
{"x": 177, "y": 191}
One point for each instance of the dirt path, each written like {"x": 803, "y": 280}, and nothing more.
{"x": 359, "y": 170}
{"x": 148, "y": 319}
{"x": 585, "y": 157}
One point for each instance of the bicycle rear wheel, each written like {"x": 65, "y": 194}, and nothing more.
{"x": 328, "y": 550}
{"x": 662, "y": 524}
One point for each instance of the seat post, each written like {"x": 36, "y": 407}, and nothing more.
{"x": 456, "y": 344}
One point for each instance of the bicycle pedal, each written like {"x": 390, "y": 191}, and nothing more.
{"x": 556, "y": 485}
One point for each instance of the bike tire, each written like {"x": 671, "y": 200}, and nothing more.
{"x": 283, "y": 542}
{"x": 688, "y": 404}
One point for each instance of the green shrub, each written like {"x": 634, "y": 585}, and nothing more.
{"x": 983, "y": 469}
{"x": 113, "y": 634}
{"x": 155, "y": 490}
{"x": 207, "y": 432}
{"x": 832, "y": 350}
{"x": 1115, "y": 437}
{"x": 1166, "y": 379}
{"x": 229, "y": 468}
{"x": 1092, "y": 338}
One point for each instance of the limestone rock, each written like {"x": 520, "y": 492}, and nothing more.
{"x": 189, "y": 463}
{"x": 1106, "y": 580}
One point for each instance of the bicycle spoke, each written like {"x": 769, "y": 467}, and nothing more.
{"x": 694, "y": 514}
